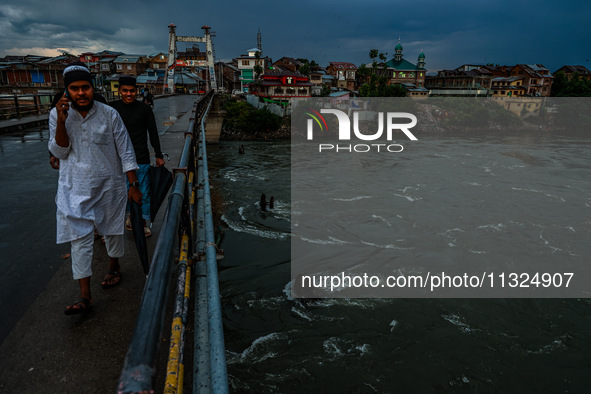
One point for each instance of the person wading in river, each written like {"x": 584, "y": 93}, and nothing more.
{"x": 96, "y": 154}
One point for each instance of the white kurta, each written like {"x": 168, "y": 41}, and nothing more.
{"x": 91, "y": 192}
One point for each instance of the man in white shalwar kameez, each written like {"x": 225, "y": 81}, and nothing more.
{"x": 95, "y": 155}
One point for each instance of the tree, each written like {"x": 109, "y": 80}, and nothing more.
{"x": 373, "y": 55}
{"x": 258, "y": 70}
{"x": 305, "y": 69}
{"x": 573, "y": 87}
{"x": 380, "y": 87}
{"x": 244, "y": 117}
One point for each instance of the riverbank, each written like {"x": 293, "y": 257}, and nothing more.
{"x": 283, "y": 133}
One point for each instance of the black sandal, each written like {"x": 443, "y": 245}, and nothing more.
{"x": 83, "y": 305}
{"x": 113, "y": 275}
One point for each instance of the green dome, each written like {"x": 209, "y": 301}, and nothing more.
{"x": 422, "y": 55}
{"x": 398, "y": 47}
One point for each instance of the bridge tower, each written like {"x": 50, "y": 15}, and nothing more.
{"x": 173, "y": 39}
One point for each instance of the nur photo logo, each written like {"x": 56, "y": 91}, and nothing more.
{"x": 386, "y": 121}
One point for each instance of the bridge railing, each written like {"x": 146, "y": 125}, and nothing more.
{"x": 139, "y": 366}
{"x": 20, "y": 105}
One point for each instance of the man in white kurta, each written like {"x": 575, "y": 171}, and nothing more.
{"x": 95, "y": 155}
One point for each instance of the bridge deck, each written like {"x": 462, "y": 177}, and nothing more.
{"x": 50, "y": 352}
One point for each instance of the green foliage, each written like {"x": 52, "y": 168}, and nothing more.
{"x": 305, "y": 69}
{"x": 383, "y": 58}
{"x": 576, "y": 87}
{"x": 363, "y": 71}
{"x": 244, "y": 117}
{"x": 380, "y": 87}
{"x": 258, "y": 70}
{"x": 373, "y": 55}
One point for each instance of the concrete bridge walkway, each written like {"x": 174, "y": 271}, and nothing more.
{"x": 48, "y": 352}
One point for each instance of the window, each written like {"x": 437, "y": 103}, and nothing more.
{"x": 119, "y": 67}
{"x": 246, "y": 62}
{"x": 156, "y": 65}
{"x": 129, "y": 66}
{"x": 402, "y": 75}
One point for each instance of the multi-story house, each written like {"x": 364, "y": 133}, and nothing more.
{"x": 281, "y": 85}
{"x": 55, "y": 68}
{"x": 101, "y": 64}
{"x": 466, "y": 80}
{"x": 508, "y": 87}
{"x": 343, "y": 74}
{"x": 569, "y": 71}
{"x": 536, "y": 79}
{"x": 227, "y": 76}
{"x": 246, "y": 64}
{"x": 131, "y": 64}
{"x": 32, "y": 74}
{"x": 157, "y": 61}
{"x": 288, "y": 63}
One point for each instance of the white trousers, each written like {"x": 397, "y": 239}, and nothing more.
{"x": 81, "y": 253}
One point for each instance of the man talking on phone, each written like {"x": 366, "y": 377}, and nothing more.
{"x": 96, "y": 155}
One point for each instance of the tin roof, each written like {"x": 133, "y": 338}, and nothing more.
{"x": 339, "y": 94}
{"x": 343, "y": 65}
{"x": 128, "y": 59}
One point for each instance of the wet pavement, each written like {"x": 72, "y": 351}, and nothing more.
{"x": 42, "y": 350}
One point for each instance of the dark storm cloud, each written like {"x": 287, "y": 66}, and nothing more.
{"x": 450, "y": 33}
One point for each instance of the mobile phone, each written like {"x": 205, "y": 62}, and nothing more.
{"x": 67, "y": 94}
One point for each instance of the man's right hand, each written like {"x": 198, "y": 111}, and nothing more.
{"x": 54, "y": 162}
{"x": 135, "y": 194}
{"x": 62, "y": 107}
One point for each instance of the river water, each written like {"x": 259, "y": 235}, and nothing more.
{"x": 276, "y": 343}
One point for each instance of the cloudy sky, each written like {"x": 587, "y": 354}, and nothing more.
{"x": 450, "y": 32}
